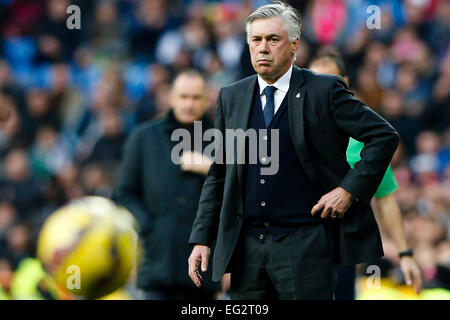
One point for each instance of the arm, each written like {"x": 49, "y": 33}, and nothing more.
{"x": 391, "y": 218}
{"x": 379, "y": 137}
{"x": 206, "y": 224}
{"x": 128, "y": 189}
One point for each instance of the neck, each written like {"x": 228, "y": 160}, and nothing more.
{"x": 272, "y": 80}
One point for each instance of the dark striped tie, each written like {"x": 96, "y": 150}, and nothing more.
{"x": 269, "y": 108}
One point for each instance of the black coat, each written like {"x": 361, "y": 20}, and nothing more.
{"x": 164, "y": 200}
{"x": 323, "y": 114}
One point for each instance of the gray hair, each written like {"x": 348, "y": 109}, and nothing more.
{"x": 277, "y": 8}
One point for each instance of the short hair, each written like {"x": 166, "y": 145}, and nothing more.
{"x": 190, "y": 73}
{"x": 290, "y": 15}
{"x": 335, "y": 57}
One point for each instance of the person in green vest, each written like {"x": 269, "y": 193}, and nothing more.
{"x": 3, "y": 294}
{"x": 32, "y": 282}
{"x": 385, "y": 202}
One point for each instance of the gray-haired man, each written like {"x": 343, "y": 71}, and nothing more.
{"x": 281, "y": 235}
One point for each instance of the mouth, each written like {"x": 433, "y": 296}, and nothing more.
{"x": 264, "y": 61}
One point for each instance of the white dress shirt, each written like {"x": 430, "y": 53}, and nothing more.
{"x": 282, "y": 86}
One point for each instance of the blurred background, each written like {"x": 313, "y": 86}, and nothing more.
{"x": 75, "y": 95}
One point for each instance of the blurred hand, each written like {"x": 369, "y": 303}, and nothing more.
{"x": 412, "y": 273}
{"x": 199, "y": 255}
{"x": 225, "y": 286}
{"x": 196, "y": 162}
{"x": 335, "y": 204}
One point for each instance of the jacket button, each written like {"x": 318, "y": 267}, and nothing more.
{"x": 238, "y": 216}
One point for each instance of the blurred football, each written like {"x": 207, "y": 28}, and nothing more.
{"x": 89, "y": 246}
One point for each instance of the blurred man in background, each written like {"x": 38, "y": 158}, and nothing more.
{"x": 164, "y": 196}
{"x": 385, "y": 202}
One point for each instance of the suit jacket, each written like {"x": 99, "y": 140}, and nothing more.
{"x": 323, "y": 114}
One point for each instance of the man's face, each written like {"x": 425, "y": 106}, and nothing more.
{"x": 270, "y": 49}
{"x": 188, "y": 98}
{"x": 324, "y": 66}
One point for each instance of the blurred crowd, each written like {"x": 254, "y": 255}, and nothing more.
{"x": 75, "y": 95}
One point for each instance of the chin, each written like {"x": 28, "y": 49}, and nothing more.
{"x": 265, "y": 70}
{"x": 187, "y": 121}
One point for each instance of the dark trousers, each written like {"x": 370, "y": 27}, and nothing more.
{"x": 345, "y": 289}
{"x": 300, "y": 266}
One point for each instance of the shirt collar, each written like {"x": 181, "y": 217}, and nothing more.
{"x": 281, "y": 84}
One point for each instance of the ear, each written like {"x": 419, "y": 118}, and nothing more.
{"x": 295, "y": 46}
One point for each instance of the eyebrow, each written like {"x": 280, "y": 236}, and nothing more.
{"x": 268, "y": 36}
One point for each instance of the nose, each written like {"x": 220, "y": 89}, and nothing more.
{"x": 189, "y": 103}
{"x": 264, "y": 46}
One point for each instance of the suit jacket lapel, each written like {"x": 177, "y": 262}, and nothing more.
{"x": 297, "y": 96}
{"x": 244, "y": 102}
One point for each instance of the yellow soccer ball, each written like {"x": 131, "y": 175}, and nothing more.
{"x": 89, "y": 246}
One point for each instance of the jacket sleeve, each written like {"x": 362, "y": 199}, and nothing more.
{"x": 128, "y": 187}
{"x": 363, "y": 124}
{"x": 206, "y": 223}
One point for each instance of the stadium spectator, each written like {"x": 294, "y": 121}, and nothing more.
{"x": 19, "y": 186}
{"x": 109, "y": 147}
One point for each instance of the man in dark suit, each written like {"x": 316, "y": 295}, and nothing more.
{"x": 163, "y": 195}
{"x": 282, "y": 235}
